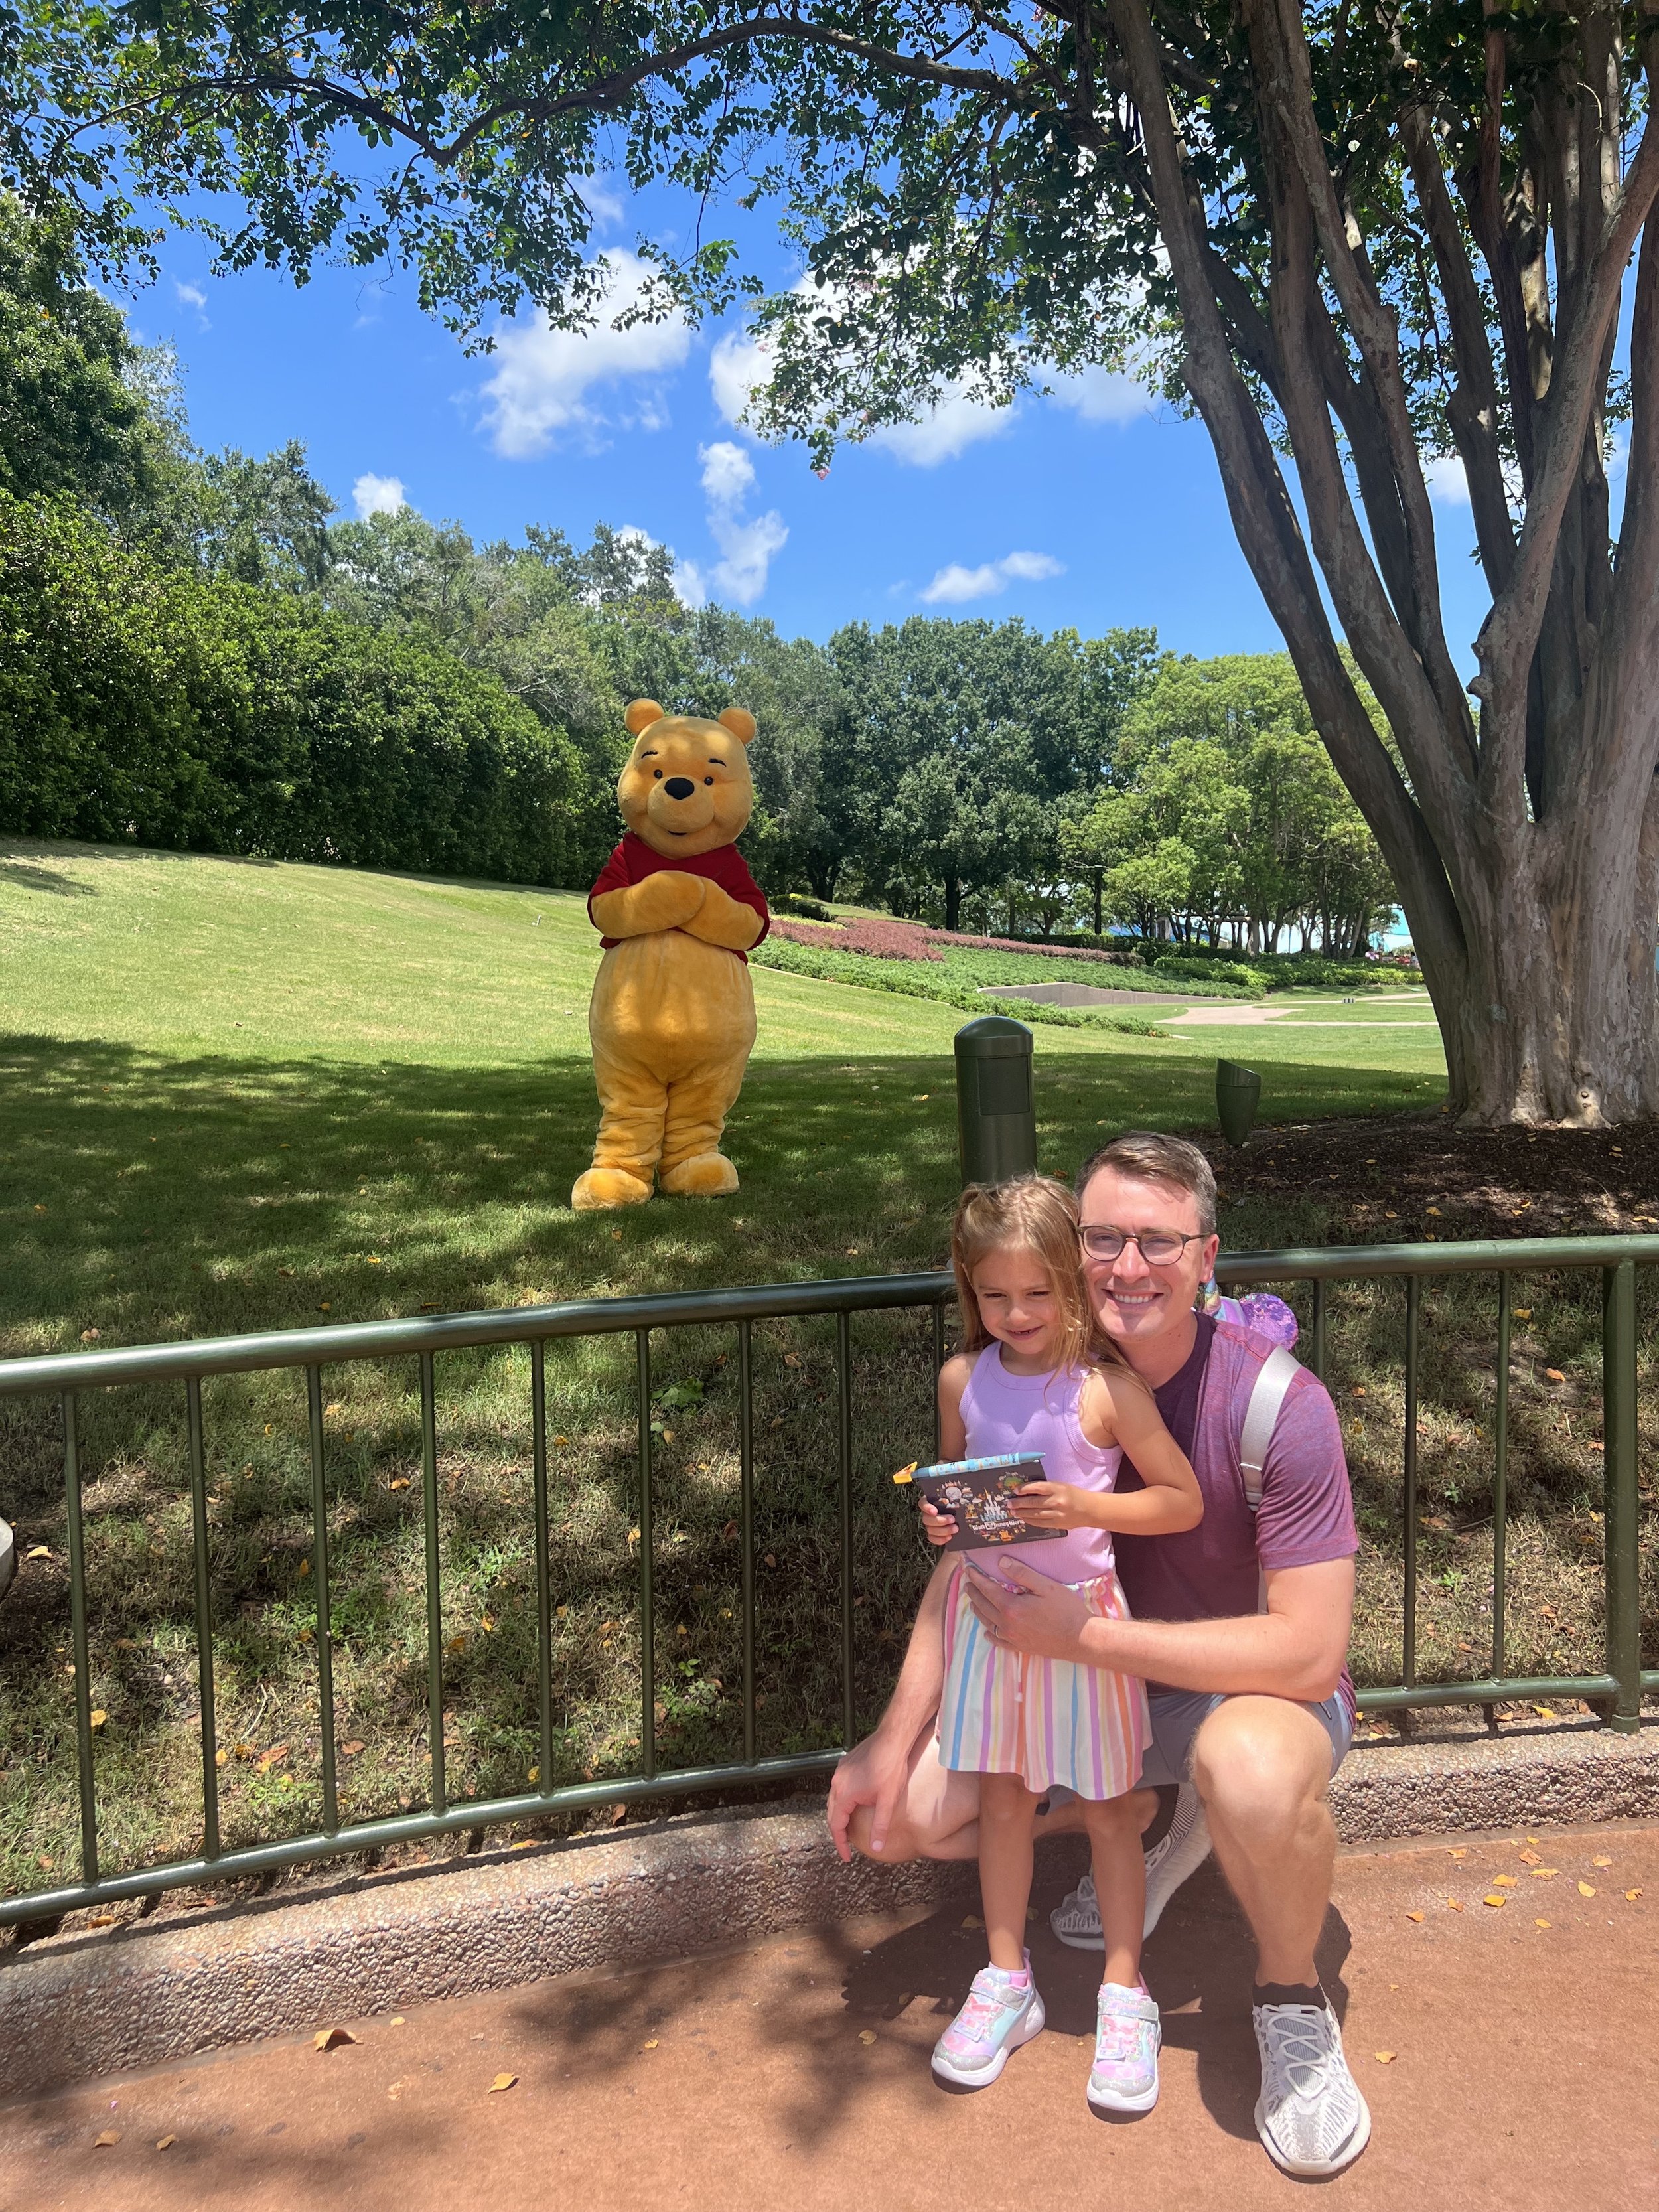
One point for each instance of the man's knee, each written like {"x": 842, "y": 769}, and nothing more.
{"x": 1261, "y": 1765}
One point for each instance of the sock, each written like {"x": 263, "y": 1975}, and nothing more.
{"x": 1276, "y": 1993}
{"x": 1016, "y": 1976}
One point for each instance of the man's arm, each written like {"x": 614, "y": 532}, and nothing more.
{"x": 874, "y": 1772}
{"x": 1297, "y": 1648}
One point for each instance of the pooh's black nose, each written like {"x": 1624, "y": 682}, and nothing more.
{"x": 680, "y": 787}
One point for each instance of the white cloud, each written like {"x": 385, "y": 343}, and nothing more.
{"x": 737, "y": 367}
{"x": 746, "y": 545}
{"x": 192, "y": 295}
{"x": 955, "y": 584}
{"x": 1448, "y": 485}
{"x": 956, "y": 420}
{"x": 740, "y": 365}
{"x": 540, "y": 391}
{"x": 1103, "y": 395}
{"x": 378, "y": 495}
{"x": 604, "y": 205}
{"x": 727, "y": 473}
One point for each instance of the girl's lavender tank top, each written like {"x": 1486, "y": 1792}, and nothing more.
{"x": 1038, "y": 1413}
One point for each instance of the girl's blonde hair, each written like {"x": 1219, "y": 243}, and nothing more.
{"x": 1036, "y": 1214}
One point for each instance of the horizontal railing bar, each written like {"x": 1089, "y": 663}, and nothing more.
{"x": 1487, "y": 1693}
{"x": 372, "y": 1340}
{"x": 381, "y": 1339}
{"x": 407, "y": 1828}
{"x": 1511, "y": 1254}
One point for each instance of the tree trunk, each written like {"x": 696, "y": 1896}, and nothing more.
{"x": 1096, "y": 901}
{"x": 953, "y": 901}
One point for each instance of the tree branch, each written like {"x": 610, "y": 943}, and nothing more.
{"x": 1473, "y": 412}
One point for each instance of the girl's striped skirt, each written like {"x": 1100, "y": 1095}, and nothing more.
{"x": 1047, "y": 1720}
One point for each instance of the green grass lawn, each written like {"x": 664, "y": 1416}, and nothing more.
{"x": 241, "y": 1096}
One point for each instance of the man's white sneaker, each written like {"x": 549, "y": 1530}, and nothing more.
{"x": 1310, "y": 2116}
{"x": 1076, "y": 1919}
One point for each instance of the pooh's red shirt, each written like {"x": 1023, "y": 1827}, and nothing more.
{"x": 632, "y": 861}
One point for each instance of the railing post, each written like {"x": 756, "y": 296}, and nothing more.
{"x": 1619, "y": 1436}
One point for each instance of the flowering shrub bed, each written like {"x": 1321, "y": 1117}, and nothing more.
{"x": 914, "y": 979}
{"x": 882, "y": 939}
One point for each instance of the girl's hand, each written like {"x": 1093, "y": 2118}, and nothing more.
{"x": 937, "y": 1527}
{"x": 1054, "y": 1505}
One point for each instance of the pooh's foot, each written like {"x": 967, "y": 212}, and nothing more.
{"x": 709, "y": 1175}
{"x": 604, "y": 1187}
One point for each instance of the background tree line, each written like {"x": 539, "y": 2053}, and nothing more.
{"x": 200, "y": 654}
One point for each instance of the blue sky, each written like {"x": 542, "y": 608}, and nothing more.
{"x": 1089, "y": 509}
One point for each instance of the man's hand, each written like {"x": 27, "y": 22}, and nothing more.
{"x": 1041, "y": 1616}
{"x": 873, "y": 1773}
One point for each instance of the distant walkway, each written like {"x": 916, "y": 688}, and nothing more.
{"x": 1508, "y": 2064}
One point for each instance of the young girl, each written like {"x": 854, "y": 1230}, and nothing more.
{"x": 1036, "y": 1377}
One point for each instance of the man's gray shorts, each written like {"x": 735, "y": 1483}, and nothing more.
{"x": 1178, "y": 1715}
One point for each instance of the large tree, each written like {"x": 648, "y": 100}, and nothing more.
{"x": 1357, "y": 239}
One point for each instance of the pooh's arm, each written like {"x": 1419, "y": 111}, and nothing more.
{"x": 721, "y": 920}
{"x": 668, "y": 900}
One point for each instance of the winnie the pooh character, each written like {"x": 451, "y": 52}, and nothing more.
{"x": 672, "y": 1014}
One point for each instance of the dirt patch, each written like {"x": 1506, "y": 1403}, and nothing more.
{"x": 1400, "y": 1179}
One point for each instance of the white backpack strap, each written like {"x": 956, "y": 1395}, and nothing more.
{"x": 1277, "y": 1371}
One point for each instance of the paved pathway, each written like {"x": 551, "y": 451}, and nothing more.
{"x": 793, "y": 2073}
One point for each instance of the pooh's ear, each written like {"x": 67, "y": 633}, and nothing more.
{"x": 640, "y": 715}
{"x": 740, "y": 722}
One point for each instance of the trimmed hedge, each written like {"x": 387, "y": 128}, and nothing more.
{"x": 141, "y": 705}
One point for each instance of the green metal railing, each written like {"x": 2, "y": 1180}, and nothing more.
{"x": 1619, "y": 1690}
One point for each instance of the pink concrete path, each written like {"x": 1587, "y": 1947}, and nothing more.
{"x": 793, "y": 2073}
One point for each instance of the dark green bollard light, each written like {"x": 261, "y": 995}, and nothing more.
{"x": 1237, "y": 1095}
{"x": 996, "y": 1119}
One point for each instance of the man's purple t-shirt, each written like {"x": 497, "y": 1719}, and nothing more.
{"x": 1306, "y": 1515}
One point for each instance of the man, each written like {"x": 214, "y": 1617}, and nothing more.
{"x": 1240, "y": 1632}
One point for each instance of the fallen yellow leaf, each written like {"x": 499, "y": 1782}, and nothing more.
{"x": 274, "y": 1757}
{"x": 1455, "y": 1903}
{"x": 38, "y": 1552}
{"x": 1503, "y": 1881}
{"x": 108, "y": 1919}
{"x": 1385, "y": 2058}
{"x": 866, "y": 2035}
{"x": 1540, "y": 1924}
{"x": 1630, "y": 1896}
{"x": 331, "y": 2039}
{"x": 398, "y": 1482}
{"x": 99, "y": 1717}
{"x": 1545, "y": 1874}
{"x": 1554, "y": 1374}
{"x": 165, "y": 2142}
{"x": 1602, "y": 1858}
{"x": 502, "y": 2081}
{"x": 1494, "y": 1900}
{"x": 1523, "y": 1313}
{"x": 396, "y": 2020}
{"x": 1414, "y": 1916}
{"x": 1585, "y": 1890}
{"x": 1529, "y": 1858}
{"x": 972, "y": 1920}
{"x": 1457, "y": 1855}
{"x": 220, "y": 1757}
{"x": 1545, "y": 1712}
{"x": 652, "y": 2044}
{"x": 109, "y": 2137}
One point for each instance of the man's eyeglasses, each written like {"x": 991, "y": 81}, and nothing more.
{"x": 1158, "y": 1248}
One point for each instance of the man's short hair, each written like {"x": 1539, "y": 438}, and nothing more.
{"x": 1148, "y": 1157}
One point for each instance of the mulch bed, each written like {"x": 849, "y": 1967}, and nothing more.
{"x": 1402, "y": 1179}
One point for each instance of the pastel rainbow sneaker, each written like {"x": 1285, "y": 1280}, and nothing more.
{"x": 1127, "y": 2034}
{"x": 1001, "y": 2013}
